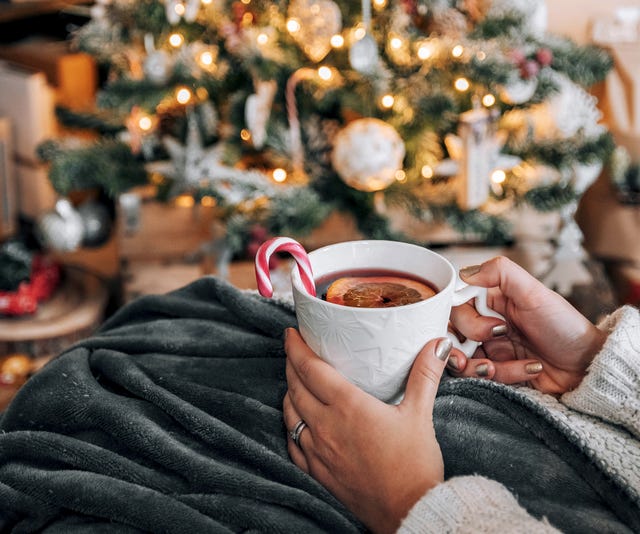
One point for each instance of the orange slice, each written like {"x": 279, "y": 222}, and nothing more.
{"x": 377, "y": 291}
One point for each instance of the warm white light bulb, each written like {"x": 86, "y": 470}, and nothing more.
{"x": 337, "y": 41}
{"x": 183, "y": 95}
{"x": 325, "y": 73}
{"x": 359, "y": 33}
{"x": 488, "y": 100}
{"x": 426, "y": 171}
{"x": 279, "y": 175}
{"x": 425, "y": 51}
{"x": 387, "y": 101}
{"x": 145, "y": 123}
{"x": 498, "y": 176}
{"x": 176, "y": 40}
{"x": 401, "y": 176}
{"x": 462, "y": 84}
{"x": 262, "y": 39}
{"x": 206, "y": 58}
{"x": 457, "y": 51}
{"x": 293, "y": 25}
{"x": 179, "y": 9}
{"x": 396, "y": 43}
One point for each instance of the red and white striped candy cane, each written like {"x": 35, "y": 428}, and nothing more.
{"x": 282, "y": 244}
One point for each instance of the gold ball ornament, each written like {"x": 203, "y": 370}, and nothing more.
{"x": 367, "y": 154}
{"x": 15, "y": 369}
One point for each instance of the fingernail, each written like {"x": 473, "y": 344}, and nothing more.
{"x": 533, "y": 368}
{"x": 453, "y": 363}
{"x": 499, "y": 330}
{"x": 469, "y": 271}
{"x": 443, "y": 349}
{"x": 482, "y": 369}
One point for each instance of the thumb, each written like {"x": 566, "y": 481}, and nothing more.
{"x": 425, "y": 374}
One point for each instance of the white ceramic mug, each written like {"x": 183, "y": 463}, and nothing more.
{"x": 374, "y": 348}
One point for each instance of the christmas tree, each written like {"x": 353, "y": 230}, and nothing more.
{"x": 280, "y": 112}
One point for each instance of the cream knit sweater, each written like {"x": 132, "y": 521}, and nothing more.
{"x": 604, "y": 411}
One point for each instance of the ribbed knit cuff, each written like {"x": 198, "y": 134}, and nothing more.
{"x": 611, "y": 388}
{"x": 470, "y": 504}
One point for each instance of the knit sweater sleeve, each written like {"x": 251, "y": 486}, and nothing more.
{"x": 471, "y": 504}
{"x": 611, "y": 388}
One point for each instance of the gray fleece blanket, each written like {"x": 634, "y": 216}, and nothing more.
{"x": 169, "y": 419}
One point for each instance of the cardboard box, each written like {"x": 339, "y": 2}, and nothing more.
{"x": 610, "y": 228}
{"x": 27, "y": 99}
{"x": 73, "y": 75}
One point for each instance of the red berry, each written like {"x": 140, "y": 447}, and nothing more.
{"x": 544, "y": 57}
{"x": 529, "y": 69}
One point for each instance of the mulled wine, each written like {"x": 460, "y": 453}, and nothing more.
{"x": 374, "y": 288}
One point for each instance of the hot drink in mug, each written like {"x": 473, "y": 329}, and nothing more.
{"x": 384, "y": 301}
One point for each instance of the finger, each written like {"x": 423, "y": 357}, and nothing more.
{"x": 515, "y": 371}
{"x": 471, "y": 324}
{"x": 514, "y": 281}
{"x": 475, "y": 368}
{"x": 457, "y": 361}
{"x": 291, "y": 418}
{"x": 424, "y": 378}
{"x": 317, "y": 376}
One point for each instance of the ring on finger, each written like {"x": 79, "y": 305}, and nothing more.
{"x": 297, "y": 431}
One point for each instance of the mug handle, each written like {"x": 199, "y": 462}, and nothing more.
{"x": 462, "y": 295}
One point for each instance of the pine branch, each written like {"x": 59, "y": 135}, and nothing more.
{"x": 107, "y": 165}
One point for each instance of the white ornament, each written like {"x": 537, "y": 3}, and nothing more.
{"x": 363, "y": 55}
{"x": 367, "y": 154}
{"x": 519, "y": 91}
{"x": 318, "y": 20}
{"x": 63, "y": 228}
{"x": 257, "y": 110}
{"x": 475, "y": 155}
{"x": 158, "y": 67}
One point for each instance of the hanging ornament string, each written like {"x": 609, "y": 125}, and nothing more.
{"x": 363, "y": 54}
{"x": 297, "y": 153}
{"x": 366, "y": 15}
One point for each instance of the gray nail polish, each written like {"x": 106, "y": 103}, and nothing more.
{"x": 499, "y": 330}
{"x": 443, "y": 349}
{"x": 452, "y": 363}
{"x": 482, "y": 370}
{"x": 533, "y": 368}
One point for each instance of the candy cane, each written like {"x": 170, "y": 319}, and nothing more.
{"x": 282, "y": 244}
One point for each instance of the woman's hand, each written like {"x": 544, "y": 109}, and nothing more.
{"x": 546, "y": 342}
{"x": 377, "y": 459}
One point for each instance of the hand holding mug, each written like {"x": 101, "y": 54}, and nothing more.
{"x": 547, "y": 342}
{"x": 349, "y": 442}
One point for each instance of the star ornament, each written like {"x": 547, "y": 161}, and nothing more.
{"x": 193, "y": 165}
